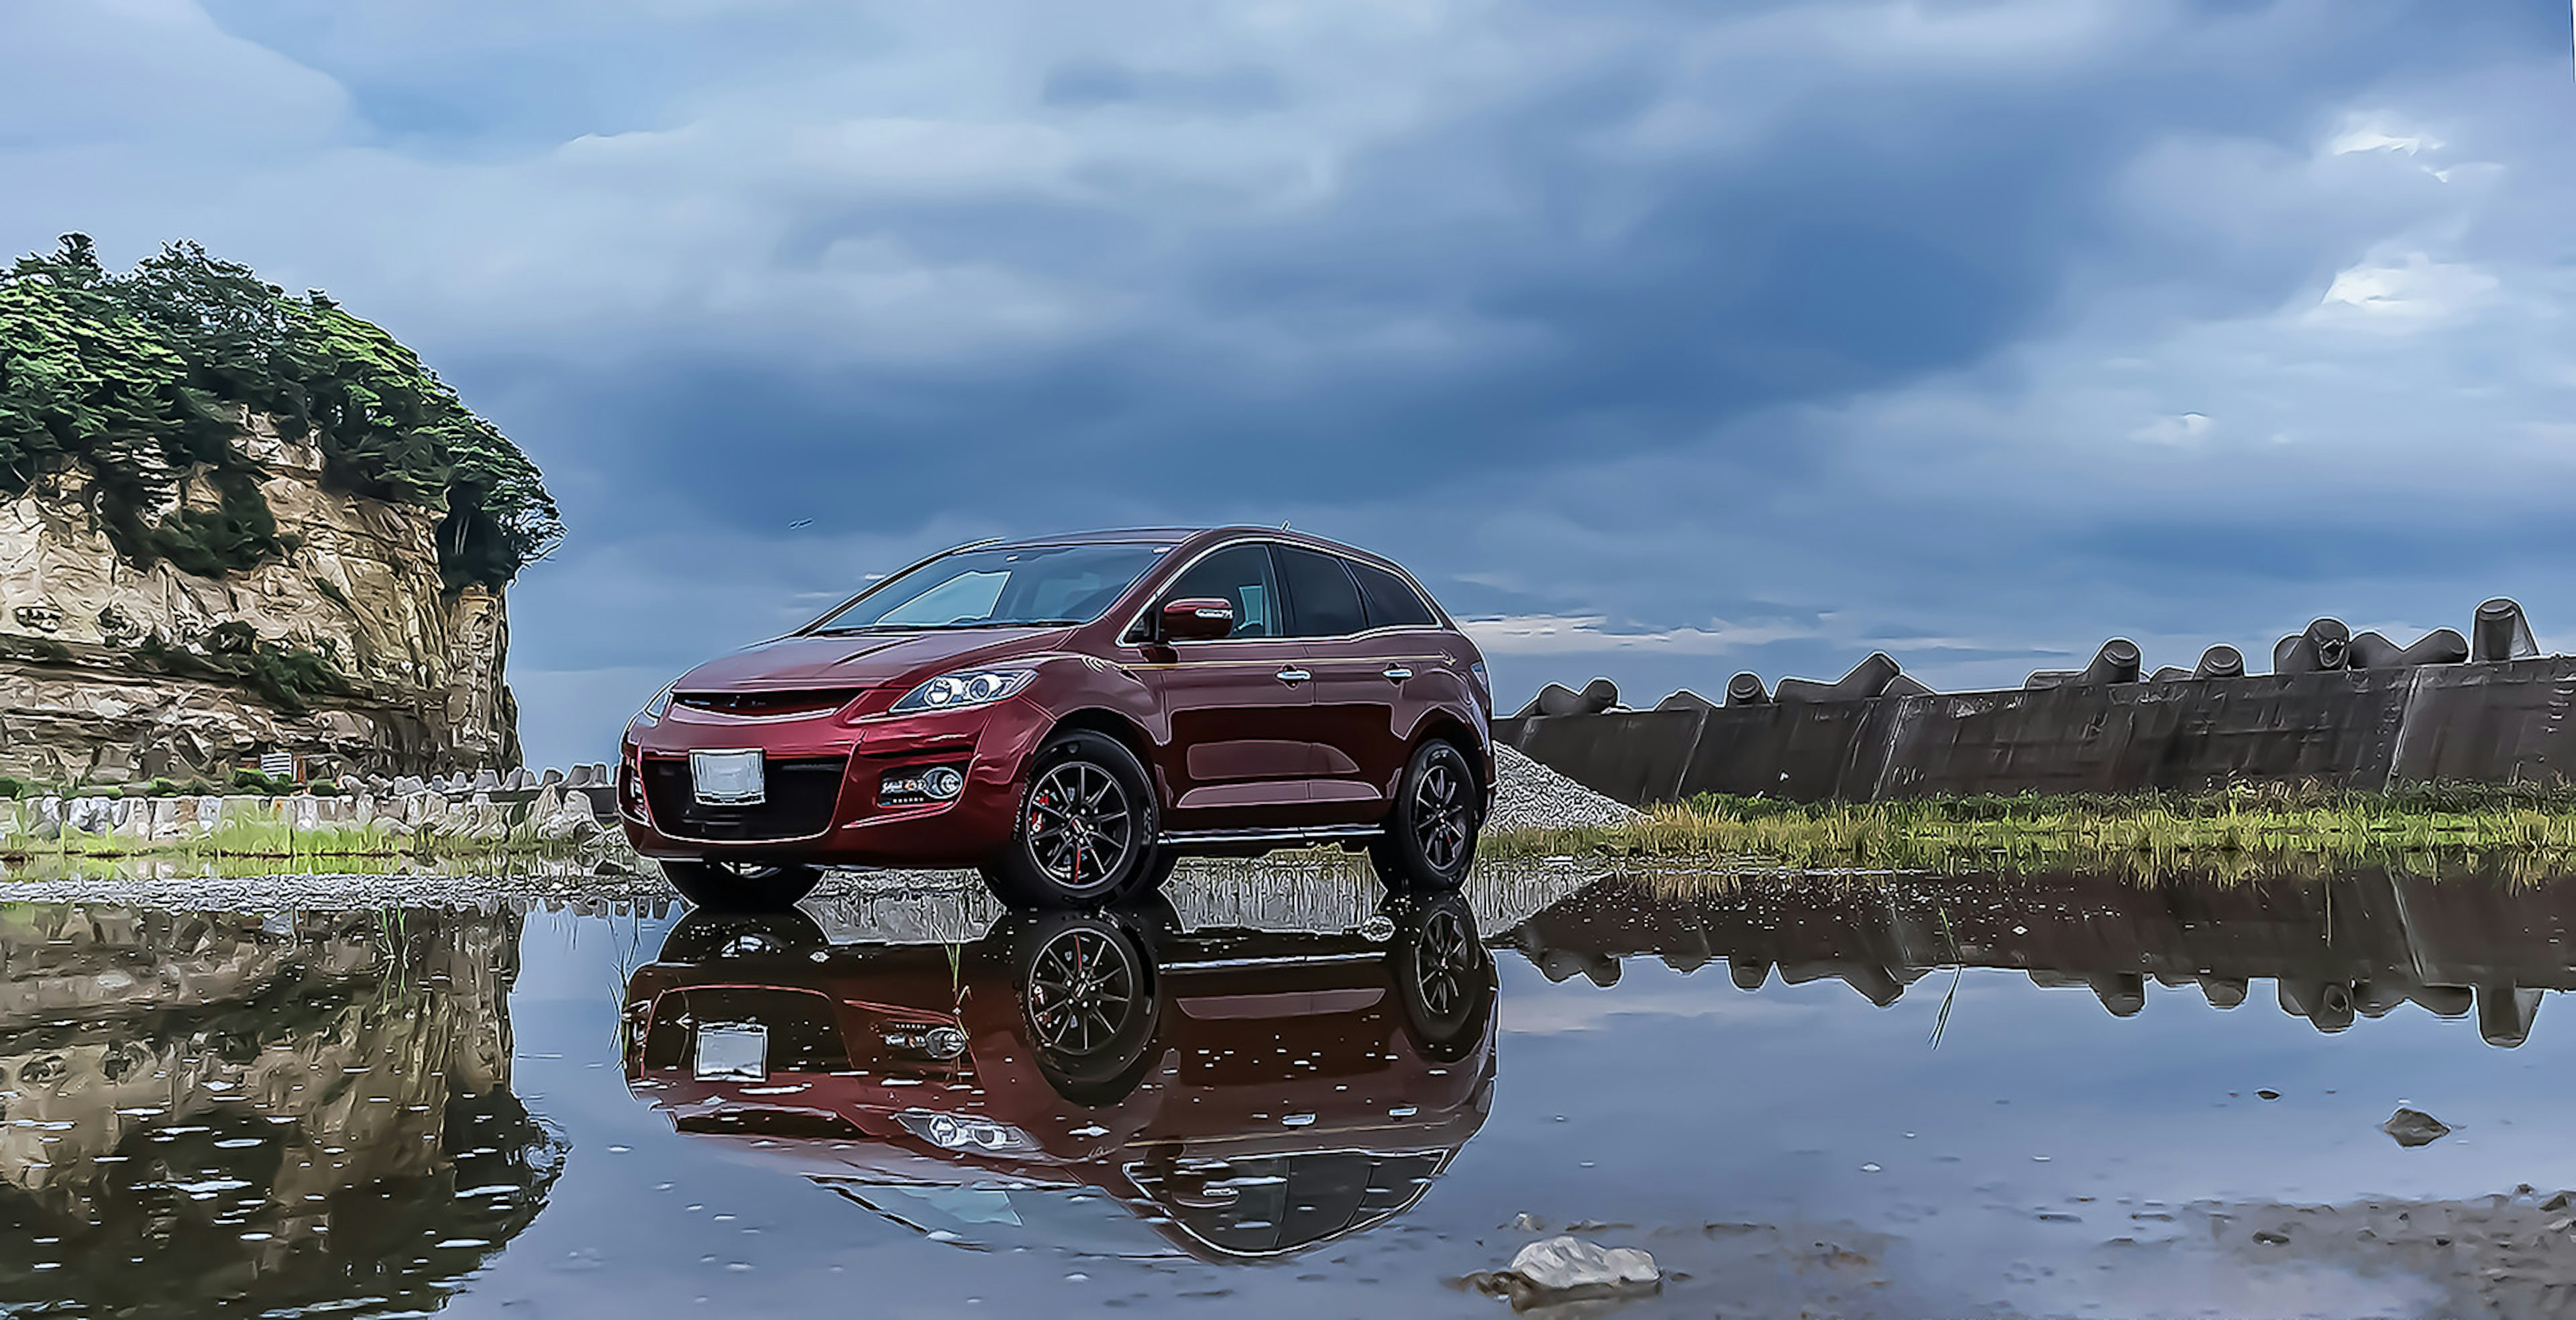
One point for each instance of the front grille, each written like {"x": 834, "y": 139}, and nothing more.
{"x": 802, "y": 791}
{"x": 813, "y": 701}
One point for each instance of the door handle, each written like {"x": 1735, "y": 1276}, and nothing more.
{"x": 1397, "y": 673}
{"x": 1294, "y": 676}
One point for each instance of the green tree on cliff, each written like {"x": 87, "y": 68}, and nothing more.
{"x": 142, "y": 378}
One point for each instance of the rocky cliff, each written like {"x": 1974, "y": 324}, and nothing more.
{"x": 113, "y": 671}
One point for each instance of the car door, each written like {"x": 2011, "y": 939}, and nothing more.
{"x": 1358, "y": 677}
{"x": 1239, "y": 750}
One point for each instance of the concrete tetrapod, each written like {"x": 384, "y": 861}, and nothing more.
{"x": 2324, "y": 646}
{"x": 2442, "y": 646}
{"x": 1746, "y": 689}
{"x": 2501, "y": 632}
{"x": 2116, "y": 662}
{"x": 1557, "y": 699}
{"x": 1685, "y": 699}
{"x": 1553, "y": 699}
{"x": 1867, "y": 679}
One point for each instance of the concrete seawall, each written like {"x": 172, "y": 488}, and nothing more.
{"x": 2496, "y": 723}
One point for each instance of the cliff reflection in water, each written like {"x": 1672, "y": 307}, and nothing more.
{"x": 278, "y": 1112}
{"x": 1108, "y": 1084}
{"x": 2358, "y": 944}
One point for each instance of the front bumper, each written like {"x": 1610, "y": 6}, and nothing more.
{"x": 859, "y": 826}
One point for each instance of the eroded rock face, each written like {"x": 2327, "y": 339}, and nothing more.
{"x": 361, "y": 587}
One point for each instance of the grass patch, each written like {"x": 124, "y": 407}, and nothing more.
{"x": 2269, "y": 828}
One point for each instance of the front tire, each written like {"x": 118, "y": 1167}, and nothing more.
{"x": 741, "y": 886}
{"x": 1430, "y": 840}
{"x": 1089, "y": 1001}
{"x": 1085, "y": 832}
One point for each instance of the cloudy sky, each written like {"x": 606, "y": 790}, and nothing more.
{"x": 1665, "y": 339}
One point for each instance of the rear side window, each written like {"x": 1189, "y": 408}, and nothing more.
{"x": 1239, "y": 574}
{"x": 1322, "y": 601}
{"x": 1391, "y": 601}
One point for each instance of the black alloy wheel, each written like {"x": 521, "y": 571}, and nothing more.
{"x": 742, "y": 886}
{"x": 1086, "y": 830}
{"x": 1443, "y": 974}
{"x": 1082, "y": 988}
{"x": 1430, "y": 840}
{"x": 1088, "y": 1000}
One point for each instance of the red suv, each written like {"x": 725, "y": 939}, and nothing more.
{"x": 1071, "y": 715}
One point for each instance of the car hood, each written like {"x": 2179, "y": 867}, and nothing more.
{"x": 860, "y": 659}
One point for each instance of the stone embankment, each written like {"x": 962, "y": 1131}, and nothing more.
{"x": 2340, "y": 710}
{"x": 488, "y": 809}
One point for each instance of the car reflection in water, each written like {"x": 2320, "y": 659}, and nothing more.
{"x": 2360, "y": 943}
{"x": 1104, "y": 1084}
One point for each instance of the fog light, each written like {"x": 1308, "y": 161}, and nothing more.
{"x": 971, "y": 1135}
{"x": 938, "y": 783}
{"x": 943, "y": 1042}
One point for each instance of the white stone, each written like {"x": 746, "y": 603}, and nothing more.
{"x": 1559, "y": 1264}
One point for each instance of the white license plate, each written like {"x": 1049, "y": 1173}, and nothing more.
{"x": 738, "y": 1053}
{"x": 727, "y": 778}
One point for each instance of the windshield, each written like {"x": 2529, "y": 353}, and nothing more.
{"x": 1042, "y": 584}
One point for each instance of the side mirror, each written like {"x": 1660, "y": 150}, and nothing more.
{"x": 1196, "y": 619}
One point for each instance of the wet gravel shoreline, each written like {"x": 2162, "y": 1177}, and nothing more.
{"x": 1528, "y": 796}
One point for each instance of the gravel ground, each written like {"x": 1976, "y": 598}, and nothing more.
{"x": 1529, "y": 796}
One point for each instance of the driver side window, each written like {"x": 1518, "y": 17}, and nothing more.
{"x": 1239, "y": 574}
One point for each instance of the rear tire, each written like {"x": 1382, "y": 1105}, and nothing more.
{"x": 1430, "y": 840}
{"x": 1443, "y": 974}
{"x": 1084, "y": 834}
{"x": 741, "y": 886}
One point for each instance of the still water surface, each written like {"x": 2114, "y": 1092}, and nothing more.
{"x": 1867, "y": 1096}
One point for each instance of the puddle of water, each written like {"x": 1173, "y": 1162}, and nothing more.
{"x": 1860, "y": 1096}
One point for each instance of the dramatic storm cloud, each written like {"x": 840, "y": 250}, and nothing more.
{"x": 1669, "y": 339}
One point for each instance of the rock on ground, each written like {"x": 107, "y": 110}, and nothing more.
{"x": 1529, "y": 796}
{"x": 2414, "y": 1127}
{"x": 1566, "y": 1269}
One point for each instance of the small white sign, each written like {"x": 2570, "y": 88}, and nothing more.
{"x": 727, "y": 778}
{"x": 737, "y": 1052}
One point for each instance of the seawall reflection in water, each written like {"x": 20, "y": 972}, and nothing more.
{"x": 1110, "y": 1084}
{"x": 219, "y": 1111}
{"x": 2360, "y": 943}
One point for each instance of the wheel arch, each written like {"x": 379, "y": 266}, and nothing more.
{"x": 1448, "y": 727}
{"x": 1128, "y": 733}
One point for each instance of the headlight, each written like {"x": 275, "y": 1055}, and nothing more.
{"x": 652, "y": 712}
{"x": 966, "y": 687}
{"x": 972, "y": 1135}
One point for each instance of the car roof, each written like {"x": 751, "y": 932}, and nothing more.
{"x": 1177, "y": 535}
{"x": 1103, "y": 536}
